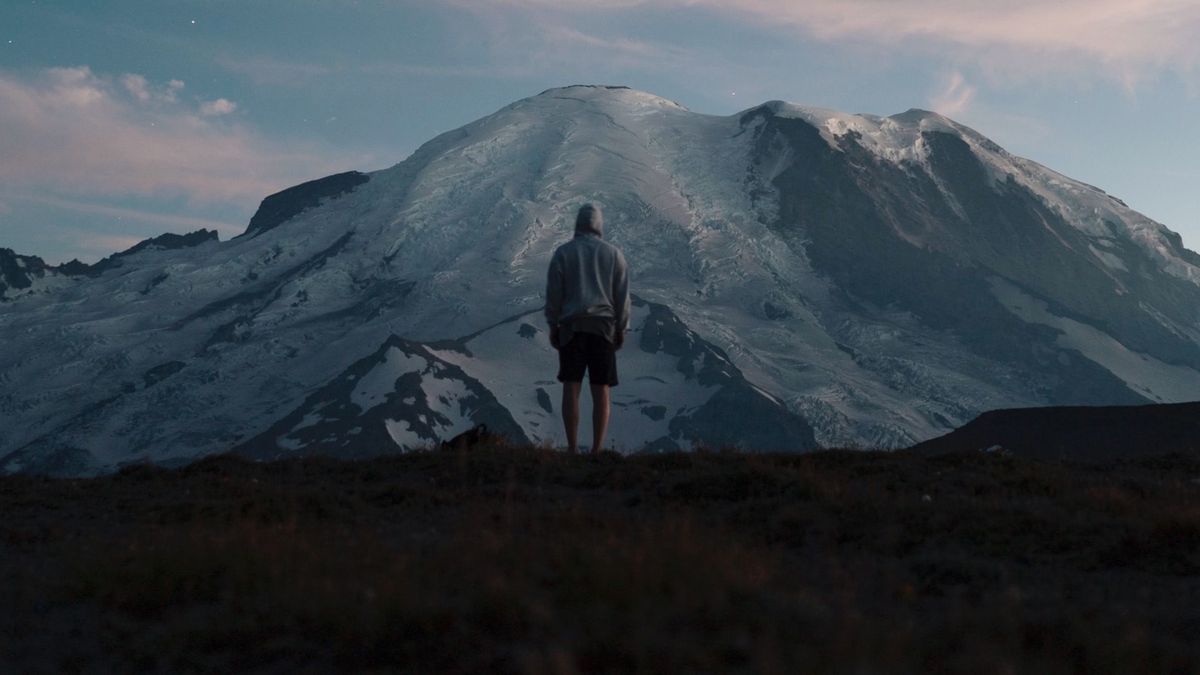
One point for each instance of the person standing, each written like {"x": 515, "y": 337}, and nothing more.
{"x": 587, "y": 309}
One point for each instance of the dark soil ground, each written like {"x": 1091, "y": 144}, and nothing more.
{"x": 531, "y": 561}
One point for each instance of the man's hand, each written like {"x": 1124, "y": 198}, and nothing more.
{"x": 554, "y": 336}
{"x": 619, "y": 340}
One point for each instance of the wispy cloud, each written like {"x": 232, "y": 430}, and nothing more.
{"x": 73, "y": 130}
{"x": 517, "y": 45}
{"x": 1123, "y": 38}
{"x": 955, "y": 96}
{"x": 277, "y": 72}
{"x": 565, "y": 38}
{"x": 144, "y": 92}
{"x": 161, "y": 220}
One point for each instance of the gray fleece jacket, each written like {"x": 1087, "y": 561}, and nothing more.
{"x": 587, "y": 287}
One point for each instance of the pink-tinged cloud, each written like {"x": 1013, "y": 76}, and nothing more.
{"x": 164, "y": 221}
{"x": 220, "y": 106}
{"x": 1123, "y": 36}
{"x": 144, "y": 92}
{"x": 71, "y": 131}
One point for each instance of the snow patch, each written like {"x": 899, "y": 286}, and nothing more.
{"x": 374, "y": 387}
{"x": 288, "y": 443}
{"x": 1158, "y": 381}
{"x": 1111, "y": 261}
{"x": 310, "y": 419}
{"x": 403, "y": 435}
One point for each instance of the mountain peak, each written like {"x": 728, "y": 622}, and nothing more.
{"x": 831, "y": 119}
{"x": 606, "y": 87}
{"x": 916, "y": 115}
{"x": 609, "y": 92}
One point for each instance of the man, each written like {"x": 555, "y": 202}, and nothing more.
{"x": 587, "y": 307}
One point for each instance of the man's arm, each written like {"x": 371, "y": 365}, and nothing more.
{"x": 554, "y": 297}
{"x": 621, "y": 302}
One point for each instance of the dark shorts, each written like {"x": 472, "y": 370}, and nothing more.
{"x": 590, "y": 352}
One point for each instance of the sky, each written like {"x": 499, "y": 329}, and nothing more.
{"x": 125, "y": 119}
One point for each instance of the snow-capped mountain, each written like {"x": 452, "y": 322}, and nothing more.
{"x": 805, "y": 277}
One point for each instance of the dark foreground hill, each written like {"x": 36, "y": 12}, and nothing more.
{"x": 531, "y": 561}
{"x": 1078, "y": 434}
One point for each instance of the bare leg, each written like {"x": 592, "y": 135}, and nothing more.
{"x": 599, "y": 415}
{"x": 570, "y": 413}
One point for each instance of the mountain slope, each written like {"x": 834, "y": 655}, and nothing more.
{"x": 675, "y": 391}
{"x": 879, "y": 280}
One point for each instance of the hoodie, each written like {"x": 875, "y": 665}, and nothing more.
{"x": 587, "y": 286}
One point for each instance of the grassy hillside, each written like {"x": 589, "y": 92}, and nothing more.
{"x": 531, "y": 561}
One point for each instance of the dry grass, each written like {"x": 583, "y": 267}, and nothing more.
{"x": 530, "y": 561}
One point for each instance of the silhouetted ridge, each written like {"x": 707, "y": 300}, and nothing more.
{"x": 613, "y": 87}
{"x": 171, "y": 241}
{"x": 163, "y": 242}
{"x": 281, "y": 206}
{"x": 15, "y": 269}
{"x": 1090, "y": 434}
